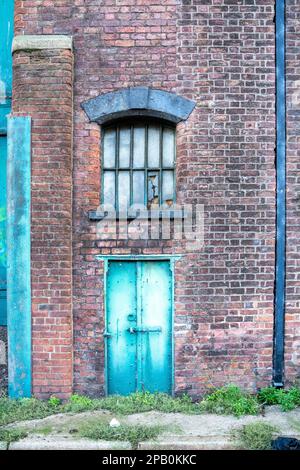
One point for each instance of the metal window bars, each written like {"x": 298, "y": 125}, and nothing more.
{"x": 138, "y": 165}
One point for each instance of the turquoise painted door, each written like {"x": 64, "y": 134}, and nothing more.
{"x": 3, "y": 230}
{"x": 139, "y": 327}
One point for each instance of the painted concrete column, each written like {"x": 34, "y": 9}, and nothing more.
{"x": 6, "y": 36}
{"x": 43, "y": 89}
{"x": 18, "y": 257}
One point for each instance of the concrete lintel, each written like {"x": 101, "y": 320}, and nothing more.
{"x": 138, "y": 101}
{"x": 42, "y": 41}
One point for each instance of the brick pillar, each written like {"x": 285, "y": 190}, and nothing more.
{"x": 43, "y": 89}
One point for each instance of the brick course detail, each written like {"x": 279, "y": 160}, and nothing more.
{"x": 220, "y": 54}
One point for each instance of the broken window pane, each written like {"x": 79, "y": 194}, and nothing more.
{"x": 153, "y": 146}
{"x": 124, "y": 190}
{"x": 139, "y": 147}
{"x": 168, "y": 188}
{"x": 168, "y": 147}
{"x": 153, "y": 189}
{"x": 109, "y": 148}
{"x": 138, "y": 190}
{"x": 124, "y": 147}
{"x": 109, "y": 189}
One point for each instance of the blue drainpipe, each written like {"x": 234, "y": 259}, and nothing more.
{"x": 279, "y": 311}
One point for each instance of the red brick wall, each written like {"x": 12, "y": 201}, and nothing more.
{"x": 219, "y": 53}
{"x": 226, "y": 62}
{"x": 292, "y": 352}
{"x": 43, "y": 89}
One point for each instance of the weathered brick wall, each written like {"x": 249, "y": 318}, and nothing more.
{"x": 3, "y": 360}
{"x": 42, "y": 87}
{"x": 292, "y": 350}
{"x": 219, "y": 53}
{"x": 226, "y": 62}
{"x": 129, "y": 45}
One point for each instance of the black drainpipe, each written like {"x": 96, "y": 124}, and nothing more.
{"x": 279, "y": 307}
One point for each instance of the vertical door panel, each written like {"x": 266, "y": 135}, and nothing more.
{"x": 155, "y": 356}
{"x": 121, "y": 316}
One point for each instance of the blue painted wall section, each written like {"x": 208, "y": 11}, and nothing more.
{"x": 6, "y": 36}
{"x": 18, "y": 256}
{"x": 3, "y": 158}
{"x": 279, "y": 319}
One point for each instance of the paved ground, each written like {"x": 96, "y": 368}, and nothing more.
{"x": 182, "y": 431}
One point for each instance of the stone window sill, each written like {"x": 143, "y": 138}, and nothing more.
{"x": 161, "y": 214}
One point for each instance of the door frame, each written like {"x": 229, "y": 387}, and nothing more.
{"x": 107, "y": 259}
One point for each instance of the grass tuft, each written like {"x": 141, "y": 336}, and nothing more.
{"x": 12, "y": 435}
{"x": 255, "y": 436}
{"x": 130, "y": 433}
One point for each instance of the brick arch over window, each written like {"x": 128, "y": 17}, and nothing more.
{"x": 138, "y": 101}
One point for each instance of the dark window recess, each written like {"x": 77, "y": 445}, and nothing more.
{"x": 138, "y": 165}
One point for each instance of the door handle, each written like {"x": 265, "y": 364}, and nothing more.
{"x": 150, "y": 329}
{"x": 106, "y": 334}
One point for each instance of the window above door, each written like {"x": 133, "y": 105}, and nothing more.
{"x": 138, "y": 149}
{"x": 138, "y": 165}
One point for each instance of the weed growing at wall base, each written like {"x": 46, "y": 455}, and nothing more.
{"x": 228, "y": 400}
{"x": 142, "y": 402}
{"x": 287, "y": 399}
{"x": 135, "y": 403}
{"x": 25, "y": 409}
